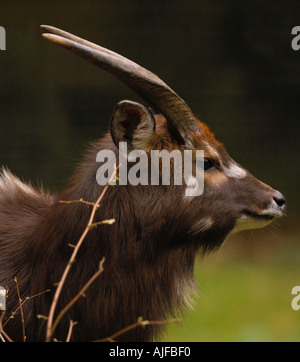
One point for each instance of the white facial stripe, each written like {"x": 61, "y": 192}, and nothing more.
{"x": 234, "y": 171}
{"x": 211, "y": 150}
{"x": 202, "y": 225}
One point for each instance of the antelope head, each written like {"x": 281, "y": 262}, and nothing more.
{"x": 233, "y": 199}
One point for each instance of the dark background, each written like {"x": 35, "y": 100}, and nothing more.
{"x": 231, "y": 61}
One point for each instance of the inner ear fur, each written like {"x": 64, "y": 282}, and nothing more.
{"x": 133, "y": 123}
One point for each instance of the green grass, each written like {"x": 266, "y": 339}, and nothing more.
{"x": 242, "y": 299}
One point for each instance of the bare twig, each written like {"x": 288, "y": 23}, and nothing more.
{"x": 50, "y": 327}
{"x": 2, "y": 338}
{"x": 140, "y": 323}
{"x": 21, "y": 304}
{"x": 72, "y": 324}
{"x": 21, "y": 309}
{"x": 79, "y": 201}
{"x": 95, "y": 224}
{"x": 3, "y": 334}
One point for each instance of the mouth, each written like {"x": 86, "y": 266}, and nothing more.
{"x": 267, "y": 217}
{"x": 251, "y": 220}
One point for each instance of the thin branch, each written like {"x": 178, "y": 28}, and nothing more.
{"x": 21, "y": 309}
{"x": 140, "y": 323}
{"x": 24, "y": 301}
{"x": 50, "y": 330}
{"x": 72, "y": 324}
{"x": 108, "y": 221}
{"x": 79, "y": 201}
{"x": 3, "y": 334}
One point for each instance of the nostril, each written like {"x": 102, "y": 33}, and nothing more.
{"x": 280, "y": 200}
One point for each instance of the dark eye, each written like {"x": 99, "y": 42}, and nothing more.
{"x": 208, "y": 163}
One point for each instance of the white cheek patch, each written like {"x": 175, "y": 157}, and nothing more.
{"x": 234, "y": 171}
{"x": 202, "y": 225}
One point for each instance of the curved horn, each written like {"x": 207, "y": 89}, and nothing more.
{"x": 146, "y": 84}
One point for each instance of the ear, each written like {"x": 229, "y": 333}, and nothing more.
{"x": 132, "y": 123}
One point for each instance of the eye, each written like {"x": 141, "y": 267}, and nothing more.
{"x": 208, "y": 163}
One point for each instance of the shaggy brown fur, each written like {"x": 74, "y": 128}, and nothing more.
{"x": 149, "y": 251}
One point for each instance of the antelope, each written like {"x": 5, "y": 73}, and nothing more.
{"x": 150, "y": 249}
